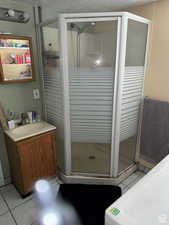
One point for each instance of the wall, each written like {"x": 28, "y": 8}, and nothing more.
{"x": 18, "y": 97}
{"x": 157, "y": 75}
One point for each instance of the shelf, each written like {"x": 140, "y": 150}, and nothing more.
{"x": 14, "y": 64}
{"x": 18, "y": 48}
{"x": 16, "y": 79}
{"x": 16, "y": 59}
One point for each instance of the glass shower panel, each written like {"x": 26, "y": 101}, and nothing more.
{"x": 53, "y": 87}
{"x": 132, "y": 91}
{"x": 91, "y": 57}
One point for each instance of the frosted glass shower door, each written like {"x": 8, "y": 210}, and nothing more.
{"x": 132, "y": 91}
{"x": 92, "y": 47}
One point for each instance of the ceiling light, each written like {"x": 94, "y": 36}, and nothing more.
{"x": 10, "y": 13}
{"x": 24, "y": 17}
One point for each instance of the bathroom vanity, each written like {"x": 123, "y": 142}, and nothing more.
{"x": 32, "y": 154}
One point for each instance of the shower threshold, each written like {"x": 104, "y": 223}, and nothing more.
{"x": 104, "y": 180}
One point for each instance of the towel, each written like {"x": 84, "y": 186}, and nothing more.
{"x": 154, "y": 144}
{"x": 3, "y": 121}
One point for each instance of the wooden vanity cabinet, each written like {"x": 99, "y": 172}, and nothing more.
{"x": 31, "y": 159}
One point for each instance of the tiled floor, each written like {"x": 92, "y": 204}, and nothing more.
{"x": 17, "y": 211}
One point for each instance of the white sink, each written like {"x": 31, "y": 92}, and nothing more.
{"x": 29, "y": 130}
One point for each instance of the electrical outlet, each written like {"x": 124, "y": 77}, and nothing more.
{"x": 36, "y": 94}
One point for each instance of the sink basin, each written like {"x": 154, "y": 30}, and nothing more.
{"x": 29, "y": 130}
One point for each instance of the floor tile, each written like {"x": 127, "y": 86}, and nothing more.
{"x": 6, "y": 187}
{"x": 25, "y": 214}
{"x": 12, "y": 197}
{"x": 6, "y": 219}
{"x": 3, "y": 206}
{"x": 55, "y": 188}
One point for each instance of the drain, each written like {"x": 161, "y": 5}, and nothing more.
{"x": 92, "y": 157}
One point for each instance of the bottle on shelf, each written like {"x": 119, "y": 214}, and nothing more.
{"x": 27, "y": 58}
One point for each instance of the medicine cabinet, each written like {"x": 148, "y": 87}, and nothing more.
{"x": 16, "y": 59}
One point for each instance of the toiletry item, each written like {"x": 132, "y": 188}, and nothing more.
{"x": 30, "y": 116}
{"x": 17, "y": 59}
{"x": 27, "y": 58}
{"x": 17, "y": 123}
{"x": 10, "y": 115}
{"x": 1, "y": 43}
{"x": 3, "y": 121}
{"x": 34, "y": 115}
{"x": 11, "y": 124}
{"x": 24, "y": 118}
{"x": 38, "y": 117}
{"x": 23, "y": 59}
{"x": 12, "y": 55}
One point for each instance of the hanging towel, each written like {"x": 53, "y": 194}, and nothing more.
{"x": 154, "y": 145}
{"x": 3, "y": 121}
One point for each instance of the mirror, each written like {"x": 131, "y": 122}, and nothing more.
{"x": 16, "y": 59}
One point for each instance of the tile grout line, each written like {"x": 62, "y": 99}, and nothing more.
{"x": 19, "y": 204}
{"x": 4, "y": 213}
{"x": 9, "y": 209}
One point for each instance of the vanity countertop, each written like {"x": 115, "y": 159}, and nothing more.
{"x": 29, "y": 130}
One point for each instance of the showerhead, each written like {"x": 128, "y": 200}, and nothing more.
{"x": 83, "y": 28}
{"x": 75, "y": 26}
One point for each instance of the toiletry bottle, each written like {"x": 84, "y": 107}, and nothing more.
{"x": 23, "y": 59}
{"x": 30, "y": 116}
{"x": 17, "y": 59}
{"x": 10, "y": 118}
{"x": 11, "y": 124}
{"x": 27, "y": 58}
{"x": 38, "y": 117}
{"x": 34, "y": 116}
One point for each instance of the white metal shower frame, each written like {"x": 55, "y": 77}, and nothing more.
{"x": 122, "y": 18}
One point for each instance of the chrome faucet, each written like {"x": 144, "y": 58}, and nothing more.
{"x": 24, "y": 118}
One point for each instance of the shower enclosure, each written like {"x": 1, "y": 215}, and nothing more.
{"x": 94, "y": 97}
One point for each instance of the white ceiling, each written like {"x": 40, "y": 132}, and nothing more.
{"x": 88, "y": 5}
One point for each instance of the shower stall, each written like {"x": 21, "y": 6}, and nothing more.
{"x": 93, "y": 88}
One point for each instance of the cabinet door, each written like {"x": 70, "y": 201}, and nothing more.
{"x": 37, "y": 158}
